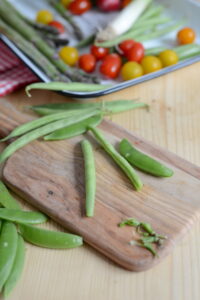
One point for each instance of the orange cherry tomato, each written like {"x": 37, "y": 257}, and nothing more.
{"x": 78, "y": 7}
{"x": 87, "y": 62}
{"x": 136, "y": 53}
{"x": 186, "y": 36}
{"x": 125, "y": 46}
{"x": 125, "y": 3}
{"x": 111, "y": 65}
{"x": 59, "y": 26}
{"x": 99, "y": 52}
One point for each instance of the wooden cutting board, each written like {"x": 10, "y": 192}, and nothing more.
{"x": 50, "y": 176}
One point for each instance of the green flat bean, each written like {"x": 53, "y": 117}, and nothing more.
{"x": 110, "y": 107}
{"x": 16, "y": 268}
{"x": 73, "y": 130}
{"x": 63, "y": 86}
{"x": 18, "y": 216}
{"x": 27, "y": 127}
{"x": 90, "y": 177}
{"x": 120, "y": 160}
{"x": 44, "y": 130}
{"x": 6, "y": 199}
{"x": 50, "y": 239}
{"x": 143, "y": 161}
{"x": 8, "y": 248}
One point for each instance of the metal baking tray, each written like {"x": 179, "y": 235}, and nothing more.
{"x": 190, "y": 9}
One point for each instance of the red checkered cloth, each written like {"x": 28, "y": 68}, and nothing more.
{"x": 13, "y": 72}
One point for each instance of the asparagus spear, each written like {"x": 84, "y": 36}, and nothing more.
{"x": 68, "y": 17}
{"x": 31, "y": 35}
{"x": 31, "y": 51}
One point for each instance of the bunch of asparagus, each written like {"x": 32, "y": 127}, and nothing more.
{"x": 23, "y": 34}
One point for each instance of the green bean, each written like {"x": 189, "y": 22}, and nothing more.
{"x": 143, "y": 161}
{"x": 120, "y": 160}
{"x": 49, "y": 239}
{"x": 90, "y": 177}
{"x": 8, "y": 248}
{"x": 24, "y": 128}
{"x": 154, "y": 50}
{"x": 16, "y": 268}
{"x": 86, "y": 42}
{"x": 6, "y": 199}
{"x": 110, "y": 107}
{"x": 63, "y": 86}
{"x": 73, "y": 130}
{"x": 130, "y": 222}
{"x": 46, "y": 129}
{"x": 18, "y": 216}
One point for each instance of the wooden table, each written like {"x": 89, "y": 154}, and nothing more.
{"x": 84, "y": 274}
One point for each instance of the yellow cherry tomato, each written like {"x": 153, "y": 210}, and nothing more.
{"x": 151, "y": 64}
{"x": 168, "y": 58}
{"x": 44, "y": 17}
{"x": 69, "y": 55}
{"x": 131, "y": 70}
{"x": 66, "y": 2}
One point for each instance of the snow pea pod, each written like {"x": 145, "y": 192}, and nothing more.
{"x": 90, "y": 177}
{"x": 16, "y": 268}
{"x": 8, "y": 248}
{"x": 110, "y": 107}
{"x": 49, "y": 239}
{"x": 120, "y": 160}
{"x": 18, "y": 216}
{"x": 6, "y": 199}
{"x": 46, "y": 129}
{"x": 73, "y": 130}
{"x": 143, "y": 161}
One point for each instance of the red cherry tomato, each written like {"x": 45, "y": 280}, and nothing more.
{"x": 108, "y": 5}
{"x": 58, "y": 26}
{"x": 99, "y": 52}
{"x": 87, "y": 62}
{"x": 78, "y": 7}
{"x": 136, "y": 53}
{"x": 125, "y": 46}
{"x": 111, "y": 65}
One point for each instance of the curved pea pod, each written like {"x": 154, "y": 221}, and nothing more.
{"x": 19, "y": 216}
{"x": 73, "y": 130}
{"x": 16, "y": 269}
{"x": 143, "y": 161}
{"x": 8, "y": 248}
{"x": 6, "y": 199}
{"x": 50, "y": 239}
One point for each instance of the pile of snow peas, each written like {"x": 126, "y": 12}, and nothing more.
{"x": 15, "y": 227}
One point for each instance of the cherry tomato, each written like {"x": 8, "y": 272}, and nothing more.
{"x": 125, "y": 46}
{"x": 69, "y": 55}
{"x": 87, "y": 62}
{"x": 66, "y": 2}
{"x": 168, "y": 58}
{"x": 78, "y": 7}
{"x": 136, "y": 53}
{"x": 125, "y": 3}
{"x": 111, "y": 65}
{"x": 108, "y": 5}
{"x": 59, "y": 26}
{"x": 186, "y": 36}
{"x": 99, "y": 52}
{"x": 131, "y": 70}
{"x": 151, "y": 64}
{"x": 44, "y": 17}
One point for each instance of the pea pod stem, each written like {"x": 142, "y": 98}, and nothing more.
{"x": 49, "y": 239}
{"x": 18, "y": 216}
{"x": 16, "y": 268}
{"x": 143, "y": 161}
{"x": 44, "y": 130}
{"x": 90, "y": 177}
{"x": 8, "y": 248}
{"x": 120, "y": 160}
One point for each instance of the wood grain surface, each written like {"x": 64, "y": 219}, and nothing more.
{"x": 173, "y": 123}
